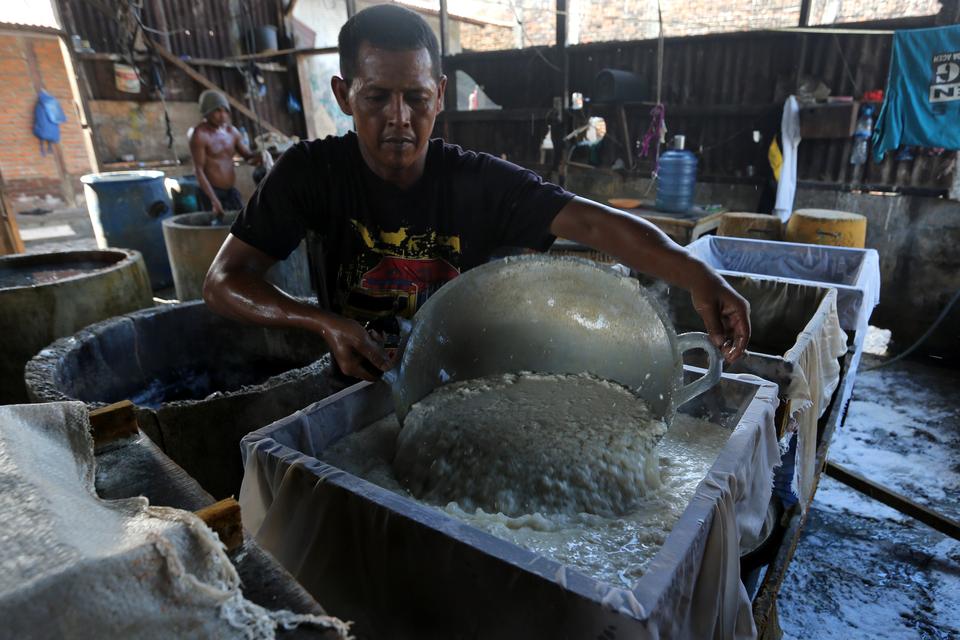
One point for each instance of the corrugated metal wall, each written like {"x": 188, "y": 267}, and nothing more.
{"x": 717, "y": 89}
{"x": 204, "y": 29}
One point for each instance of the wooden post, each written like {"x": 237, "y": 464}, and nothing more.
{"x": 560, "y": 154}
{"x": 10, "y": 241}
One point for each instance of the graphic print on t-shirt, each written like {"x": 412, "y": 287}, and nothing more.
{"x": 394, "y": 272}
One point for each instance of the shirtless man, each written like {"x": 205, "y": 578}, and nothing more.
{"x": 213, "y": 145}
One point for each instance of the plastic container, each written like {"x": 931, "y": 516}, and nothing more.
{"x": 127, "y": 209}
{"x": 401, "y": 569}
{"x": 675, "y": 181}
{"x": 854, "y": 273}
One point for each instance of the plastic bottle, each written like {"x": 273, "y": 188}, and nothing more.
{"x": 861, "y": 136}
{"x": 244, "y": 136}
{"x": 676, "y": 180}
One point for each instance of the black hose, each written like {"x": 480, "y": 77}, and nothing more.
{"x": 913, "y": 347}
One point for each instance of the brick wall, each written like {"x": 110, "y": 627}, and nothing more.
{"x": 475, "y": 37}
{"x": 26, "y": 171}
{"x": 838, "y": 11}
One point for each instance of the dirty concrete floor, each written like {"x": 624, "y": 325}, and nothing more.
{"x": 863, "y": 570}
{"x": 66, "y": 229}
{"x": 59, "y": 229}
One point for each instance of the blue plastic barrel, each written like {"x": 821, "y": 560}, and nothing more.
{"x": 675, "y": 181}
{"x": 127, "y": 209}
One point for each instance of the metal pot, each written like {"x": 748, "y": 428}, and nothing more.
{"x": 550, "y": 315}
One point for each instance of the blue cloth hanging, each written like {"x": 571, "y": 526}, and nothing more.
{"x": 47, "y": 116}
{"x": 921, "y": 106}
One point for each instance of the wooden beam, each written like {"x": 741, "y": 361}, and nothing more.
{"x": 79, "y": 83}
{"x": 202, "y": 80}
{"x": 195, "y": 62}
{"x": 113, "y": 422}
{"x": 895, "y": 500}
{"x": 310, "y": 51}
{"x": 224, "y": 518}
{"x": 10, "y": 241}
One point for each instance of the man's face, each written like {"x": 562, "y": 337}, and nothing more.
{"x": 219, "y": 117}
{"x": 394, "y": 100}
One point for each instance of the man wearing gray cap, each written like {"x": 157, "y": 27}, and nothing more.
{"x": 213, "y": 144}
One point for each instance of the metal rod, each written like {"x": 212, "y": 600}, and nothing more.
{"x": 444, "y": 29}
{"x": 891, "y": 498}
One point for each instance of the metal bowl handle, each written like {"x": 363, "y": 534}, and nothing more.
{"x": 699, "y": 340}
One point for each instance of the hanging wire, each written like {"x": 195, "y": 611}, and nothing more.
{"x": 526, "y": 37}
{"x": 157, "y": 79}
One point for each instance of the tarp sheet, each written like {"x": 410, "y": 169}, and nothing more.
{"x": 855, "y": 273}
{"x": 404, "y": 569}
{"x": 75, "y": 566}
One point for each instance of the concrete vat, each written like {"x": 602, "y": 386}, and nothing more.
{"x": 49, "y": 295}
{"x": 200, "y": 382}
{"x": 193, "y": 242}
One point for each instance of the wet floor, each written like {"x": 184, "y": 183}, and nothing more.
{"x": 863, "y": 570}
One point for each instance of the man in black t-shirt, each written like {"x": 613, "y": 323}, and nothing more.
{"x": 391, "y": 215}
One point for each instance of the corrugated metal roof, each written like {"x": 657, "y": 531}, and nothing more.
{"x": 23, "y": 14}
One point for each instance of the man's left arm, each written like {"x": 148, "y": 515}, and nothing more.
{"x": 643, "y": 247}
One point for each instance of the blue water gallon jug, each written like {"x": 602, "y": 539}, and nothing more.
{"x": 675, "y": 181}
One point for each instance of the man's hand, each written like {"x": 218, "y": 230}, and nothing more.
{"x": 218, "y": 212}
{"x": 725, "y": 314}
{"x": 355, "y": 351}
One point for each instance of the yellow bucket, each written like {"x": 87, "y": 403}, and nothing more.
{"x": 823, "y": 226}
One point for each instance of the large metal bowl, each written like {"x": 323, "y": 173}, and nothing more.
{"x": 551, "y": 315}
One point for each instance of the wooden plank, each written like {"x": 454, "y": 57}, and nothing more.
{"x": 10, "y": 240}
{"x": 311, "y": 51}
{"x": 895, "y": 500}
{"x": 202, "y": 80}
{"x": 224, "y": 518}
{"x": 113, "y": 422}
{"x": 195, "y": 62}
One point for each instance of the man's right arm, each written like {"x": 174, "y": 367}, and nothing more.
{"x": 236, "y": 287}
{"x": 198, "y": 151}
